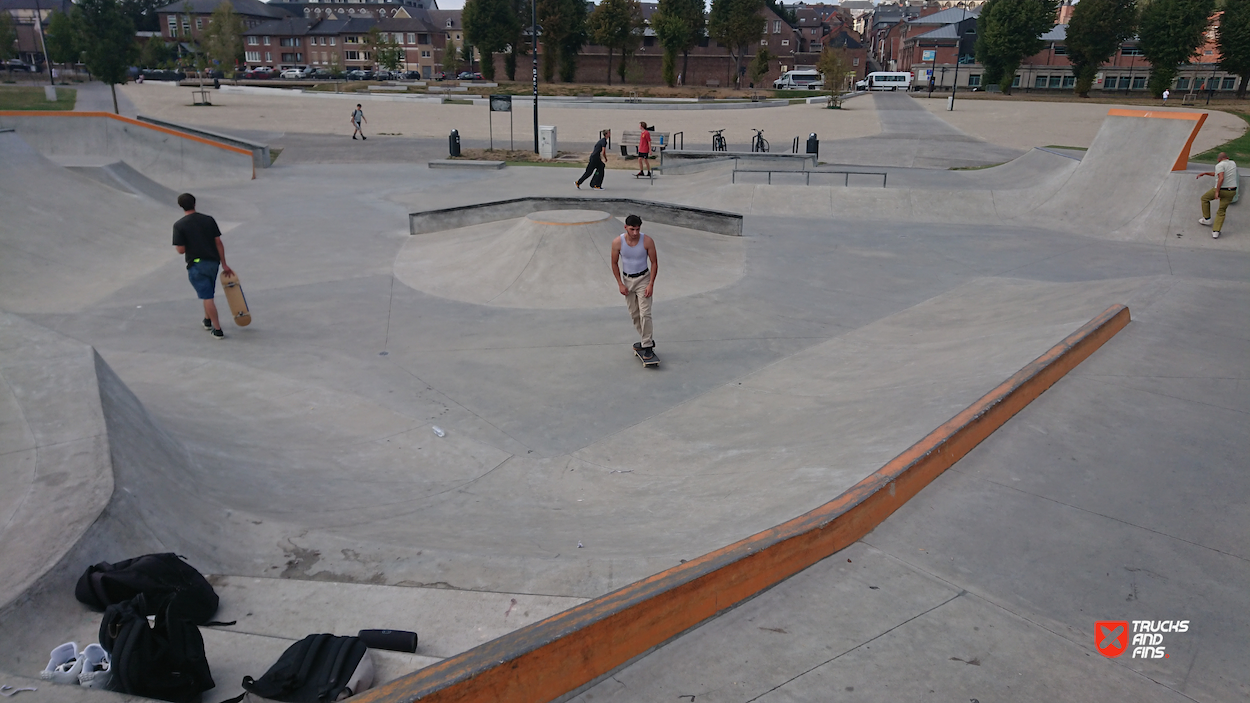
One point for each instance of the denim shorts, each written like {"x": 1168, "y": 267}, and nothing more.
{"x": 203, "y": 275}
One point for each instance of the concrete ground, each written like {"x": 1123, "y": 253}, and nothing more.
{"x": 299, "y": 450}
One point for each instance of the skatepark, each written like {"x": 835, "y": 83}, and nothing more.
{"x": 839, "y": 326}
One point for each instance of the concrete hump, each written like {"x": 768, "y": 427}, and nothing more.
{"x": 558, "y": 259}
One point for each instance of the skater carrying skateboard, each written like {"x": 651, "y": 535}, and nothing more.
{"x": 635, "y": 265}
{"x": 644, "y": 152}
{"x": 357, "y": 116}
{"x": 198, "y": 239}
{"x": 598, "y": 162}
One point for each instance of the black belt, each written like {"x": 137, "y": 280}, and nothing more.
{"x": 1220, "y": 189}
{"x": 640, "y": 273}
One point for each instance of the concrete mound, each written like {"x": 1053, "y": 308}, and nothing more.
{"x": 559, "y": 259}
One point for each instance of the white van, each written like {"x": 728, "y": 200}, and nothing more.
{"x": 886, "y": 80}
{"x": 800, "y": 80}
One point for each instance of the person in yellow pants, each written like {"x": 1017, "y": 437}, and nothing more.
{"x": 1226, "y": 182}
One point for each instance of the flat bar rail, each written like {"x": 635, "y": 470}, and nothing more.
{"x": 807, "y": 180}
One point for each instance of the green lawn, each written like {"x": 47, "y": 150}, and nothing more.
{"x": 29, "y": 98}
{"x": 1238, "y": 149}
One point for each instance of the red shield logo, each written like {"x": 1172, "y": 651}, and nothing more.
{"x": 1111, "y": 637}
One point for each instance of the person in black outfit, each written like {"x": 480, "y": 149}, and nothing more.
{"x": 598, "y": 162}
{"x": 198, "y": 239}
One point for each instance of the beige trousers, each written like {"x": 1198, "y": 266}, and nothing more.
{"x": 639, "y": 306}
{"x": 1225, "y": 197}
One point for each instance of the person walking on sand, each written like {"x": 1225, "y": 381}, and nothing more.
{"x": 598, "y": 162}
{"x": 198, "y": 239}
{"x": 357, "y": 116}
{"x": 644, "y": 152}
{"x": 1226, "y": 182}
{"x": 634, "y": 266}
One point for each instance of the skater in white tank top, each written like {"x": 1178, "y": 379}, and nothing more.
{"x": 634, "y": 266}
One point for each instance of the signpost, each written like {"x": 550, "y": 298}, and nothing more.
{"x": 500, "y": 103}
{"x": 534, "y": 51}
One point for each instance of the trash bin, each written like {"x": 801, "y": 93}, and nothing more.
{"x": 453, "y": 142}
{"x": 813, "y": 144}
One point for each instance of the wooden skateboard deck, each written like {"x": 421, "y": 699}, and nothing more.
{"x": 655, "y": 359}
{"x": 238, "y": 302}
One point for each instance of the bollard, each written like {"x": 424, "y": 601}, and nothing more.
{"x": 453, "y": 142}
{"x": 813, "y": 144}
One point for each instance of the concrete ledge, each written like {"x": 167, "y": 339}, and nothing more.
{"x": 559, "y": 654}
{"x": 467, "y": 163}
{"x": 774, "y": 161}
{"x": 714, "y": 221}
{"x": 260, "y": 152}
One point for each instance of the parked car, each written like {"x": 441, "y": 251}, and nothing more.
{"x": 20, "y": 65}
{"x": 440, "y": 76}
{"x": 360, "y": 75}
{"x": 412, "y": 76}
{"x": 295, "y": 73}
{"x": 260, "y": 73}
{"x": 160, "y": 74}
{"x": 469, "y": 76}
{"x": 319, "y": 74}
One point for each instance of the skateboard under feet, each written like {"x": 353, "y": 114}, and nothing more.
{"x": 646, "y": 363}
{"x": 238, "y": 302}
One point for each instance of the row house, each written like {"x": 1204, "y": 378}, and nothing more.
{"x": 422, "y": 43}
{"x": 187, "y": 19}
{"x": 28, "y": 16}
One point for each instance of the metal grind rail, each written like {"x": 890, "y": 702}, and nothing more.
{"x": 807, "y": 175}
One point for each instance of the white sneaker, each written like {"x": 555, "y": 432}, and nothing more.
{"x": 64, "y": 666}
{"x": 1204, "y": 221}
{"x": 96, "y": 670}
{"x": 1215, "y": 234}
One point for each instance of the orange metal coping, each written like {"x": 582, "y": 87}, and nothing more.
{"x": 1199, "y": 118}
{"x": 127, "y": 120}
{"x": 550, "y": 658}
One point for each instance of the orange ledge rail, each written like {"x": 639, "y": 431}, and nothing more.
{"x": 550, "y": 658}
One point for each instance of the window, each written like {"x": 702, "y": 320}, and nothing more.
{"x": 1069, "y": 81}
{"x": 1015, "y": 82}
{"x": 423, "y": 39}
{"x": 974, "y": 81}
{"x": 1130, "y": 51}
{"x": 412, "y": 38}
{"x": 1229, "y": 84}
{"x": 854, "y": 62}
{"x": 425, "y": 54}
{"x": 449, "y": 24}
{"x": 186, "y": 25}
{"x": 266, "y": 41}
{"x": 1139, "y": 84}
{"x": 288, "y": 41}
{"x": 253, "y": 41}
{"x": 252, "y": 56}
{"x": 813, "y": 31}
{"x": 268, "y": 57}
{"x": 1182, "y": 84}
{"x": 173, "y": 25}
{"x": 292, "y": 58}
{"x": 1061, "y": 50}
{"x": 333, "y": 41}
{"x": 199, "y": 23}
{"x": 351, "y": 55}
{"x": 1040, "y": 82}
{"x": 351, "y": 40}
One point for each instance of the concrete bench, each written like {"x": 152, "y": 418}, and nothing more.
{"x": 399, "y": 88}
{"x": 713, "y": 83}
{"x": 629, "y": 142}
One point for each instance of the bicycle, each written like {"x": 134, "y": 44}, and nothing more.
{"x": 758, "y": 142}
{"x": 718, "y": 140}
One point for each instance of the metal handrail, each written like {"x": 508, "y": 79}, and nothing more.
{"x": 673, "y": 137}
{"x": 808, "y": 174}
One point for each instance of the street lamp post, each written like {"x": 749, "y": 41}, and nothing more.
{"x": 1211, "y": 83}
{"x": 47, "y": 61}
{"x": 534, "y": 51}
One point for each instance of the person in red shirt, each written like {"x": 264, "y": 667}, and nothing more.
{"x": 644, "y": 152}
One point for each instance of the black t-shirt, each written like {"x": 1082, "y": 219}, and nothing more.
{"x": 198, "y": 233}
{"x": 597, "y": 154}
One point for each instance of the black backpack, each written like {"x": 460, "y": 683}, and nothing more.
{"x": 156, "y": 576}
{"x": 166, "y": 661}
{"x": 318, "y": 668}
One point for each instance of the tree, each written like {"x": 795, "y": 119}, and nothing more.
{"x": 679, "y": 25}
{"x": 155, "y": 53}
{"x": 491, "y": 26}
{"x": 62, "y": 39}
{"x": 833, "y": 65}
{"x": 222, "y": 40}
{"x": 1095, "y": 33}
{"x": 108, "y": 41}
{"x": 617, "y": 24}
{"x": 387, "y": 53}
{"x": 1233, "y": 37}
{"x": 1009, "y": 31}
{"x": 736, "y": 23}
{"x": 143, "y": 13}
{"x": 758, "y": 67}
{"x": 8, "y": 37}
{"x": 562, "y": 24}
{"x": 1170, "y": 33}
{"x": 451, "y": 57}
{"x": 521, "y": 8}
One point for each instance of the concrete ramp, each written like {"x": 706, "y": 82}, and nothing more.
{"x": 66, "y": 241}
{"x": 120, "y": 176}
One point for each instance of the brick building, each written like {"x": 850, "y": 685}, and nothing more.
{"x": 27, "y": 16}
